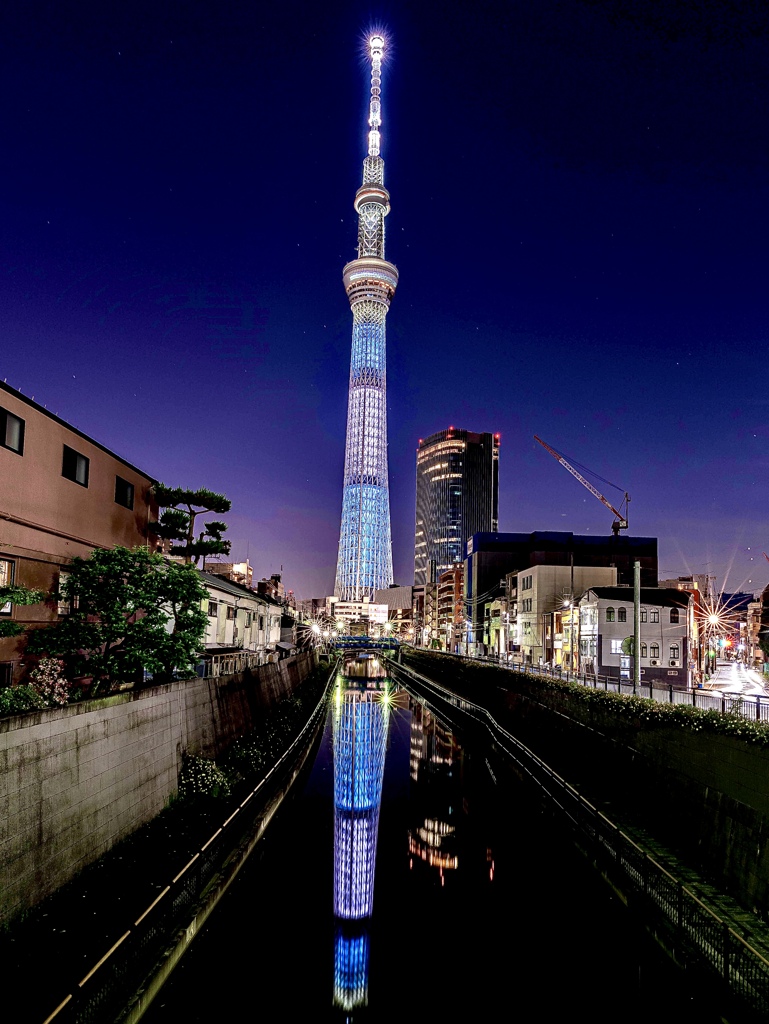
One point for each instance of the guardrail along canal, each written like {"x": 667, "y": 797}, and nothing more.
{"x": 416, "y": 876}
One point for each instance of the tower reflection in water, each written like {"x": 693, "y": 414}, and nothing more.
{"x": 361, "y": 716}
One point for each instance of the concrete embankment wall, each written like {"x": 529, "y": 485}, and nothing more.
{"x": 76, "y": 780}
{"x": 704, "y": 795}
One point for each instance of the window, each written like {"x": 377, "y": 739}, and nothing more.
{"x": 64, "y": 604}
{"x": 526, "y": 582}
{"x": 673, "y": 618}
{"x": 610, "y": 615}
{"x": 212, "y": 609}
{"x": 261, "y": 622}
{"x": 230, "y": 612}
{"x": 74, "y": 466}
{"x": 643, "y": 615}
{"x": 616, "y": 647}
{"x": 124, "y": 492}
{"x": 654, "y": 650}
{"x": 622, "y": 615}
{"x": 6, "y": 579}
{"x": 11, "y": 432}
{"x": 655, "y": 615}
{"x": 643, "y": 650}
{"x": 674, "y": 651}
{"x": 248, "y": 619}
{"x": 6, "y": 673}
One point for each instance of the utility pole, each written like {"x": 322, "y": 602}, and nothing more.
{"x": 636, "y": 626}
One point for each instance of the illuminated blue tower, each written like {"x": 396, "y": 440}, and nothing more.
{"x": 365, "y": 548}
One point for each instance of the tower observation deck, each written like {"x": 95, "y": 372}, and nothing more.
{"x": 365, "y": 548}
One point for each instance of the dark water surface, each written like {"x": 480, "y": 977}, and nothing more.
{"x": 482, "y": 909}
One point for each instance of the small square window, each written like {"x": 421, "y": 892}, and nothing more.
{"x": 11, "y": 432}
{"x": 212, "y": 609}
{"x": 75, "y": 466}
{"x": 6, "y": 580}
{"x": 124, "y": 492}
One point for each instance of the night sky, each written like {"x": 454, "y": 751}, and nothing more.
{"x": 579, "y": 218}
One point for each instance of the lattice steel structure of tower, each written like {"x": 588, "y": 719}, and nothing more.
{"x": 365, "y": 548}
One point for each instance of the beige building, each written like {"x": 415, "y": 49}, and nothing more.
{"x": 538, "y": 598}
{"x": 62, "y": 494}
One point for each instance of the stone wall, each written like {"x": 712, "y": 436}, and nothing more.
{"x": 76, "y": 780}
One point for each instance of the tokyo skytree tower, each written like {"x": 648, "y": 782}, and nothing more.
{"x": 365, "y": 549}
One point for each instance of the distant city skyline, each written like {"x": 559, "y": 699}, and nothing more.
{"x": 579, "y": 229}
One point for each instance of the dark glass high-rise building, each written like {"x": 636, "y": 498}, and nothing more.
{"x": 457, "y": 492}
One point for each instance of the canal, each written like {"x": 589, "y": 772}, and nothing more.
{"x": 412, "y": 875}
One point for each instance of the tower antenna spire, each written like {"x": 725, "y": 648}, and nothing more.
{"x": 364, "y": 564}
{"x": 376, "y": 51}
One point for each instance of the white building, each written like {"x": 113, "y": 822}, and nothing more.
{"x": 667, "y": 634}
{"x": 238, "y": 617}
{"x": 366, "y": 612}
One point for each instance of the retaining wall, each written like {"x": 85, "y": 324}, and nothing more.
{"x": 704, "y": 795}
{"x": 76, "y": 780}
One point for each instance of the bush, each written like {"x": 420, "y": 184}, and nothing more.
{"x": 201, "y": 777}
{"x": 15, "y": 699}
{"x": 49, "y": 683}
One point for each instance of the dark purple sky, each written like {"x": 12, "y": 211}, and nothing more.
{"x": 579, "y": 217}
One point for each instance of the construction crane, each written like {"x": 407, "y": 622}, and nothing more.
{"x": 620, "y": 522}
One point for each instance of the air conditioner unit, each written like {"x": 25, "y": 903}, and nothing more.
{"x": 674, "y": 663}
{"x": 654, "y": 662}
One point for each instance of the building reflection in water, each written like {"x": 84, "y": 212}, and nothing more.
{"x": 361, "y": 714}
{"x": 435, "y": 766}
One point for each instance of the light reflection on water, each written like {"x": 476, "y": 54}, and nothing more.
{"x": 361, "y": 716}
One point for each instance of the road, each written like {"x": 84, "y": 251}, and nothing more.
{"x": 734, "y": 677}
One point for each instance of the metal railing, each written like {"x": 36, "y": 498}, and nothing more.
{"x": 754, "y": 707}
{"x": 106, "y": 989}
{"x": 215, "y": 665}
{"x": 651, "y": 889}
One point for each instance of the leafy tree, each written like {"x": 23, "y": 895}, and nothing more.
{"x": 177, "y": 522}
{"x": 131, "y": 610}
{"x": 17, "y": 594}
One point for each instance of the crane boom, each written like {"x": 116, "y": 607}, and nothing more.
{"x": 620, "y": 523}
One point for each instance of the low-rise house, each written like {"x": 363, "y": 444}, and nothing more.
{"x": 538, "y": 597}
{"x": 668, "y": 647}
{"x": 239, "y": 618}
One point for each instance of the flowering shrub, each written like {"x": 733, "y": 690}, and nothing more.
{"x": 648, "y": 713}
{"x": 201, "y": 777}
{"x": 15, "y": 699}
{"x": 47, "y": 680}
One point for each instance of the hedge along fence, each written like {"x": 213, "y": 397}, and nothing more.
{"x": 641, "y": 712}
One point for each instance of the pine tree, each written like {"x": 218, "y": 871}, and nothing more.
{"x": 177, "y": 522}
